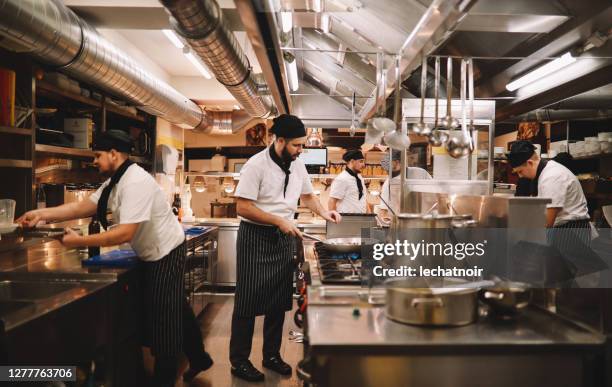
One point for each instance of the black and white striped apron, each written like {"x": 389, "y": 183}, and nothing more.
{"x": 264, "y": 270}
{"x": 164, "y": 292}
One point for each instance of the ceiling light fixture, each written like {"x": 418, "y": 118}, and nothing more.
{"x": 292, "y": 72}
{"x": 316, "y": 6}
{"x": 286, "y": 21}
{"x": 194, "y": 61}
{"x": 549, "y": 68}
{"x": 173, "y": 38}
{"x": 237, "y": 107}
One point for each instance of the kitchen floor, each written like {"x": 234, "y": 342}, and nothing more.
{"x": 216, "y": 324}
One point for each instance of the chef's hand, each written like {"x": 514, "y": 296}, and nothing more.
{"x": 289, "y": 228}
{"x": 30, "y": 218}
{"x": 72, "y": 238}
{"x": 332, "y": 216}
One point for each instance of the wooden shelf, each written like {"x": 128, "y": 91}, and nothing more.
{"x": 123, "y": 113}
{"x": 64, "y": 151}
{"x": 140, "y": 160}
{"x": 12, "y": 163}
{"x": 51, "y": 91}
{"x": 19, "y": 131}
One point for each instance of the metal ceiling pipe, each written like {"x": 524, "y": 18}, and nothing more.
{"x": 200, "y": 23}
{"x": 562, "y": 115}
{"x": 55, "y": 35}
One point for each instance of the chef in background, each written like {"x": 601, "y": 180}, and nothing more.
{"x": 396, "y": 168}
{"x": 348, "y": 190}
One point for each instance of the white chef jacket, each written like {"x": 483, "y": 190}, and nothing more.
{"x": 137, "y": 198}
{"x": 262, "y": 181}
{"x": 344, "y": 188}
{"x": 559, "y": 184}
{"x": 411, "y": 173}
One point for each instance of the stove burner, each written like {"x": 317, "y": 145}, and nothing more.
{"x": 338, "y": 268}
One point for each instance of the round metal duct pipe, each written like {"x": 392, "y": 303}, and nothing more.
{"x": 200, "y": 23}
{"x": 52, "y": 33}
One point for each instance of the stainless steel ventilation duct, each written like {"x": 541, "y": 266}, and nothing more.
{"x": 200, "y": 23}
{"x": 52, "y": 33}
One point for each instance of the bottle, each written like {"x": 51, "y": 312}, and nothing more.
{"x": 94, "y": 228}
{"x": 41, "y": 198}
{"x": 176, "y": 206}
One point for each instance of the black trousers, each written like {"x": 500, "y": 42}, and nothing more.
{"x": 242, "y": 336}
{"x": 166, "y": 367}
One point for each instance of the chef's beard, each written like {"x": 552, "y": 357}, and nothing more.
{"x": 287, "y": 157}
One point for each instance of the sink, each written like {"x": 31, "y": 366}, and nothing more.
{"x": 32, "y": 291}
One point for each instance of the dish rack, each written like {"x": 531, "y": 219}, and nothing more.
{"x": 201, "y": 267}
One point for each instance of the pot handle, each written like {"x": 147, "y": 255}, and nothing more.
{"x": 493, "y": 295}
{"x": 435, "y": 301}
{"x": 301, "y": 373}
{"x": 376, "y": 299}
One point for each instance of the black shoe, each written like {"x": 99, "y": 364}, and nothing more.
{"x": 276, "y": 364}
{"x": 247, "y": 371}
{"x": 195, "y": 369}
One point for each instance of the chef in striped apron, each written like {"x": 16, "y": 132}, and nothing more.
{"x": 271, "y": 183}
{"x": 567, "y": 215}
{"x": 142, "y": 217}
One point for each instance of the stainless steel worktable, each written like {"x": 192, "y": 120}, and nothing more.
{"x": 336, "y": 327}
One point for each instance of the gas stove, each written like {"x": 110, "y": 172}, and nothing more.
{"x": 337, "y": 268}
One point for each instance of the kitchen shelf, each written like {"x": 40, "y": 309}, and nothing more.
{"x": 65, "y": 151}
{"x": 597, "y": 156}
{"x": 312, "y": 175}
{"x": 123, "y": 113}
{"x": 140, "y": 160}
{"x": 54, "y": 92}
{"x": 12, "y": 163}
{"x": 19, "y": 131}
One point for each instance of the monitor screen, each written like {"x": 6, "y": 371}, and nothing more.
{"x": 314, "y": 156}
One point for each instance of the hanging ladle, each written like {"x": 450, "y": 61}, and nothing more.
{"x": 459, "y": 145}
{"x": 421, "y": 127}
{"x": 471, "y": 96}
{"x": 449, "y": 122}
{"x": 437, "y": 137}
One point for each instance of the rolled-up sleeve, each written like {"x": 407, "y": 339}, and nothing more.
{"x": 338, "y": 189}
{"x": 250, "y": 181}
{"x": 553, "y": 188}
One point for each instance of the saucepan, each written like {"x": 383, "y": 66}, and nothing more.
{"x": 344, "y": 245}
{"x": 506, "y": 298}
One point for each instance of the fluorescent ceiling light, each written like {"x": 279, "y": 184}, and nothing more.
{"x": 549, "y": 68}
{"x": 286, "y": 20}
{"x": 173, "y": 38}
{"x": 292, "y": 74}
{"x": 237, "y": 107}
{"x": 194, "y": 61}
{"x": 325, "y": 23}
{"x": 316, "y": 5}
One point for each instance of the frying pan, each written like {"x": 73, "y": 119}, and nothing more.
{"x": 344, "y": 245}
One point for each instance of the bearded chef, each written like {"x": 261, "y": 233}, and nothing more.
{"x": 347, "y": 193}
{"x": 271, "y": 183}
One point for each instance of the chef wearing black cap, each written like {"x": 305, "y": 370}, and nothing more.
{"x": 550, "y": 179}
{"x": 348, "y": 190}
{"x": 271, "y": 182}
{"x": 142, "y": 217}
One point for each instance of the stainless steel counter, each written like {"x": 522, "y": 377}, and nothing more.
{"x": 340, "y": 329}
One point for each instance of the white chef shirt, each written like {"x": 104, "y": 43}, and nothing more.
{"x": 138, "y": 199}
{"x": 344, "y": 188}
{"x": 262, "y": 181}
{"x": 411, "y": 173}
{"x": 559, "y": 184}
